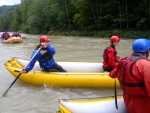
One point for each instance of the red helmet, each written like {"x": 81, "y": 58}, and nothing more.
{"x": 114, "y": 38}
{"x": 44, "y": 39}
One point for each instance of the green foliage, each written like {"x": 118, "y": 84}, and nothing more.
{"x": 79, "y": 17}
{"x": 124, "y": 34}
{"x": 24, "y": 28}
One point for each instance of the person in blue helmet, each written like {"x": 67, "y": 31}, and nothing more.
{"x": 133, "y": 73}
{"x": 44, "y": 57}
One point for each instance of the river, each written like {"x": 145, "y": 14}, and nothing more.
{"x": 25, "y": 98}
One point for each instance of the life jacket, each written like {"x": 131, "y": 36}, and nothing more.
{"x": 128, "y": 82}
{"x": 5, "y": 36}
{"x": 105, "y": 56}
{"x": 46, "y": 59}
{"x": 18, "y": 35}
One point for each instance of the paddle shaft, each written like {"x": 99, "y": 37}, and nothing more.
{"x": 20, "y": 74}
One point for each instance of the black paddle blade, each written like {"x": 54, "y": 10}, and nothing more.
{"x": 4, "y": 95}
{"x": 11, "y": 85}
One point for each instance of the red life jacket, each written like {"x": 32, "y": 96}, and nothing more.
{"x": 105, "y": 56}
{"x": 5, "y": 36}
{"x": 128, "y": 81}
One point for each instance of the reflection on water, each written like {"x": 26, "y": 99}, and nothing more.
{"x": 25, "y": 98}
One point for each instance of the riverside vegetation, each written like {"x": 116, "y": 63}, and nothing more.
{"x": 97, "y": 18}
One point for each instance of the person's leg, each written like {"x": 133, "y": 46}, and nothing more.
{"x": 50, "y": 70}
{"x": 55, "y": 68}
{"x": 59, "y": 68}
{"x": 108, "y": 70}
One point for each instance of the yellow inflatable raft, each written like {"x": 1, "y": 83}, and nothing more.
{"x": 78, "y": 75}
{"x": 93, "y": 105}
{"x": 13, "y": 40}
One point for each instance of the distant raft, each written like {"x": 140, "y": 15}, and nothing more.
{"x": 93, "y": 105}
{"x": 13, "y": 40}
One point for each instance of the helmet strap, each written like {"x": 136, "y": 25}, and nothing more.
{"x": 147, "y": 53}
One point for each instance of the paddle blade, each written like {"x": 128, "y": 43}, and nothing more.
{"x": 11, "y": 85}
{"x": 4, "y": 95}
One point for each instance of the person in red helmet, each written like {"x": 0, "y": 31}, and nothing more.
{"x": 44, "y": 57}
{"x": 110, "y": 54}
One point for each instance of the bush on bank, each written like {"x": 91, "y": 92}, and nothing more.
{"x": 126, "y": 34}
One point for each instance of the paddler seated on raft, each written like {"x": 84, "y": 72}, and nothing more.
{"x": 44, "y": 57}
{"x": 110, "y": 54}
{"x": 16, "y": 34}
{"x": 5, "y": 35}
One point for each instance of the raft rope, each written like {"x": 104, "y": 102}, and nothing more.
{"x": 116, "y": 103}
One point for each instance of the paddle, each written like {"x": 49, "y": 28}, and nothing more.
{"x": 20, "y": 73}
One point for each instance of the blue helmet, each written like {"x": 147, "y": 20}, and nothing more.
{"x": 141, "y": 45}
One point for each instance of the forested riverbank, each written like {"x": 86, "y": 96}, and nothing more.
{"x": 126, "y": 34}
{"x": 99, "y": 18}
